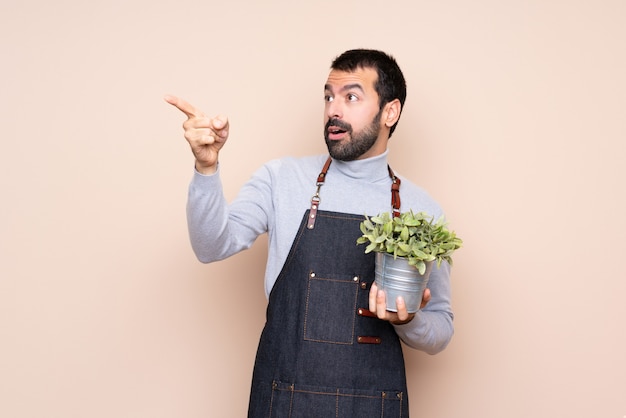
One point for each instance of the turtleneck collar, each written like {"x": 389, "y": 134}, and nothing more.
{"x": 374, "y": 168}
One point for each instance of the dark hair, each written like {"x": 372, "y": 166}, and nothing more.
{"x": 390, "y": 84}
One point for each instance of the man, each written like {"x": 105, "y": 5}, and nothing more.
{"x": 329, "y": 346}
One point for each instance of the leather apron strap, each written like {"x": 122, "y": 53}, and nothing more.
{"x": 315, "y": 200}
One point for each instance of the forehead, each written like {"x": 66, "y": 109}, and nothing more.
{"x": 363, "y": 77}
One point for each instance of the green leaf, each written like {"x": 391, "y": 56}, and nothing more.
{"x": 370, "y": 248}
{"x": 419, "y": 254}
{"x": 404, "y": 235}
{"x": 362, "y": 240}
{"x": 388, "y": 228}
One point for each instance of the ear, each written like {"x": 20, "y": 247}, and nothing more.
{"x": 391, "y": 113}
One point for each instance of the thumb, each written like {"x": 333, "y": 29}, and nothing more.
{"x": 220, "y": 125}
{"x": 220, "y": 122}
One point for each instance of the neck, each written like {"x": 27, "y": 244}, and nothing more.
{"x": 372, "y": 168}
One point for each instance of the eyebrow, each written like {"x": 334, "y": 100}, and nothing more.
{"x": 346, "y": 87}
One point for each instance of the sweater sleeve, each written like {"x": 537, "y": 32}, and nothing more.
{"x": 218, "y": 230}
{"x": 431, "y": 330}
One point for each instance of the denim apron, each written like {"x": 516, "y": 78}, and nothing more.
{"x": 322, "y": 353}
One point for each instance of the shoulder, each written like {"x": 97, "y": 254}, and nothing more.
{"x": 287, "y": 167}
{"x": 418, "y": 199}
{"x": 297, "y": 163}
{"x": 288, "y": 174}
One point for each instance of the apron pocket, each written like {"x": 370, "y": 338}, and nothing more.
{"x": 297, "y": 401}
{"x": 331, "y": 308}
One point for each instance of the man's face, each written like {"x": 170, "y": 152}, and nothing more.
{"x": 352, "y": 115}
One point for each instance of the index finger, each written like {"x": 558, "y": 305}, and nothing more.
{"x": 183, "y": 106}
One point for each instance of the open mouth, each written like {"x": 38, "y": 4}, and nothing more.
{"x": 336, "y": 133}
{"x": 337, "y": 129}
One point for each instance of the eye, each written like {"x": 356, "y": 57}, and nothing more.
{"x": 352, "y": 97}
{"x": 328, "y": 98}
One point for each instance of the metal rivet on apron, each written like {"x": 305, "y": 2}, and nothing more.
{"x": 366, "y": 312}
{"x": 363, "y": 285}
{"x": 399, "y": 395}
{"x": 364, "y": 339}
{"x": 384, "y": 394}
{"x": 312, "y": 274}
{"x": 355, "y": 278}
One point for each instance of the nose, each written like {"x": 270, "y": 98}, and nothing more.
{"x": 334, "y": 110}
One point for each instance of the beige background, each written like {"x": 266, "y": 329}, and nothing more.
{"x": 515, "y": 122}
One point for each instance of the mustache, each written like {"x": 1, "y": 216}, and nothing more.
{"x": 344, "y": 126}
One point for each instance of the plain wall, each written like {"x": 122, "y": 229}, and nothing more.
{"x": 515, "y": 123}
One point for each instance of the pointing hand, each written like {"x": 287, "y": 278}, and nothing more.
{"x": 205, "y": 135}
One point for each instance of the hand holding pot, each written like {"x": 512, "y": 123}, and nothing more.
{"x": 378, "y": 305}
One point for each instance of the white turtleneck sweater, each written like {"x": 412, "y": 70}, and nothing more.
{"x": 274, "y": 201}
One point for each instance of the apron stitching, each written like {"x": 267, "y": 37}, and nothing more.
{"x": 272, "y": 397}
{"x": 306, "y": 305}
{"x": 291, "y": 401}
{"x": 306, "y": 313}
{"x": 337, "y": 393}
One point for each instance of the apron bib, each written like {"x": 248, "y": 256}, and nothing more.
{"x": 322, "y": 353}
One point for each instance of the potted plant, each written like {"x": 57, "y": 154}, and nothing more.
{"x": 406, "y": 248}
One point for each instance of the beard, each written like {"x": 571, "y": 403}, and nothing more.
{"x": 350, "y": 149}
